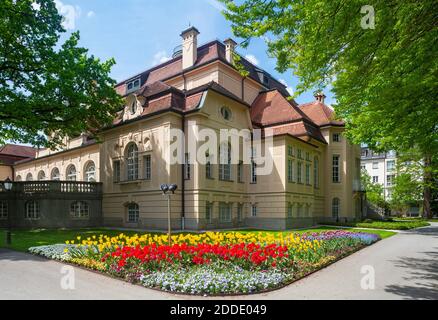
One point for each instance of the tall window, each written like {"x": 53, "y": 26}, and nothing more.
{"x": 290, "y": 170}
{"x": 29, "y": 177}
{"x": 224, "y": 212}
{"x": 71, "y": 173}
{"x": 289, "y": 210}
{"x": 307, "y": 211}
{"x": 307, "y": 174}
{"x": 390, "y": 165}
{"x": 290, "y": 151}
{"x": 389, "y": 180}
{"x": 253, "y": 172}
{"x": 300, "y": 172}
{"x": 254, "y": 210}
{"x": 90, "y": 172}
{"x": 147, "y": 166}
{"x": 299, "y": 210}
{"x": 116, "y": 171}
{"x": 335, "y": 208}
{"x": 336, "y": 137}
{"x": 132, "y": 162}
{"x": 225, "y": 162}
{"x": 187, "y": 172}
{"x": 133, "y": 212}
{"x": 375, "y": 179}
{"x": 335, "y": 169}
{"x": 55, "y": 175}
{"x": 18, "y": 178}
{"x": 208, "y": 211}
{"x": 3, "y": 210}
{"x": 316, "y": 172}
{"x": 208, "y": 171}
{"x": 240, "y": 212}
{"x": 32, "y": 210}
{"x": 79, "y": 210}
{"x": 299, "y": 154}
{"x": 240, "y": 171}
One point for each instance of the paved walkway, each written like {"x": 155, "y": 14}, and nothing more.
{"x": 406, "y": 267}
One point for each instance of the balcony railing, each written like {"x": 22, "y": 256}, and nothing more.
{"x": 56, "y": 186}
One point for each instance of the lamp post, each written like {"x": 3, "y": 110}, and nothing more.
{"x": 168, "y": 190}
{"x": 8, "y": 187}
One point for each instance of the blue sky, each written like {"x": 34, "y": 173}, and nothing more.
{"x": 141, "y": 33}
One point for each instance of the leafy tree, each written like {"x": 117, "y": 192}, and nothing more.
{"x": 374, "y": 191}
{"x": 383, "y": 74}
{"x": 48, "y": 90}
{"x": 406, "y": 193}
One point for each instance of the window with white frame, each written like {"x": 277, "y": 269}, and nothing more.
{"x": 116, "y": 170}
{"x": 3, "y": 210}
{"x": 225, "y": 162}
{"x": 240, "y": 212}
{"x": 375, "y": 165}
{"x": 133, "y": 213}
{"x": 29, "y": 177}
{"x": 90, "y": 172}
{"x": 299, "y": 172}
{"x": 18, "y": 178}
{"x": 389, "y": 180}
{"x": 299, "y": 154}
{"x": 390, "y": 165}
{"x": 225, "y": 212}
{"x": 132, "y": 162}
{"x": 290, "y": 170}
{"x": 254, "y": 210}
{"x": 147, "y": 162}
{"x": 71, "y": 173}
{"x": 375, "y": 179}
{"x": 208, "y": 211}
{"x": 290, "y": 210}
{"x": 336, "y": 137}
{"x": 336, "y": 208}
{"x": 79, "y": 210}
{"x": 336, "y": 169}
{"x": 55, "y": 175}
{"x": 307, "y": 173}
{"x": 299, "y": 210}
{"x": 290, "y": 151}
{"x": 32, "y": 210}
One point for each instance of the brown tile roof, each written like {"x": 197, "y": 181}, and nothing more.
{"x": 18, "y": 150}
{"x": 320, "y": 114}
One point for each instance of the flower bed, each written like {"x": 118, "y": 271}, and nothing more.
{"x": 209, "y": 263}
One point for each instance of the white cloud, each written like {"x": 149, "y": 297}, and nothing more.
{"x": 217, "y": 5}
{"x": 90, "y": 14}
{"x": 288, "y": 88}
{"x": 36, "y": 6}
{"x": 70, "y": 14}
{"x": 251, "y": 58}
{"x": 160, "y": 57}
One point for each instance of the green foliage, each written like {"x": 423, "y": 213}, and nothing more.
{"x": 374, "y": 191}
{"x": 384, "y": 79}
{"x": 48, "y": 89}
{"x": 388, "y": 225}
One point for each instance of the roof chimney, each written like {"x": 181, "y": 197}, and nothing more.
{"x": 230, "y": 46}
{"x": 189, "y": 47}
{"x": 319, "y": 96}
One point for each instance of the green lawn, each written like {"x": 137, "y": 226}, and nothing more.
{"x": 24, "y": 239}
{"x": 388, "y": 225}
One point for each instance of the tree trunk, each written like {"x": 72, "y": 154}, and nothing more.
{"x": 427, "y": 192}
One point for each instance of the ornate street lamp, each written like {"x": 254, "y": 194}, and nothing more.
{"x": 168, "y": 190}
{"x": 8, "y": 187}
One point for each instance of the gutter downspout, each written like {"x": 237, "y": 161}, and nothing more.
{"x": 183, "y": 180}
{"x": 243, "y": 88}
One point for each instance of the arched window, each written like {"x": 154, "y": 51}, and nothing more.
{"x": 41, "y": 176}
{"x": 132, "y": 162}
{"x": 226, "y": 113}
{"x": 133, "y": 212}
{"x": 55, "y": 175}
{"x": 79, "y": 210}
{"x": 133, "y": 107}
{"x": 3, "y": 210}
{"x": 18, "y": 178}
{"x": 71, "y": 173}
{"x": 225, "y": 161}
{"x": 29, "y": 177}
{"x": 336, "y": 208}
{"x": 90, "y": 172}
{"x": 32, "y": 210}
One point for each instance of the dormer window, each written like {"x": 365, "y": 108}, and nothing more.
{"x": 133, "y": 85}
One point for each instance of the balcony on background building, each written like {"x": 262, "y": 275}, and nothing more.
{"x": 49, "y": 187}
